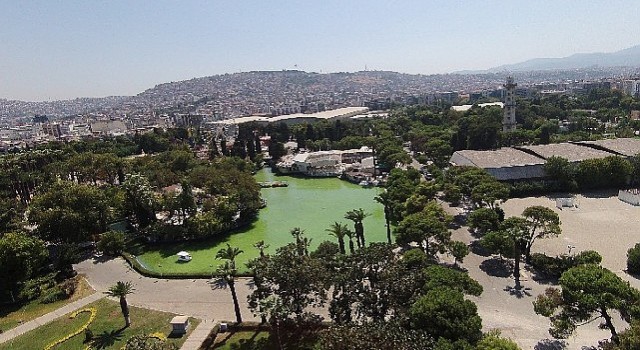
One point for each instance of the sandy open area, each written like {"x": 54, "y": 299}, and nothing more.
{"x": 600, "y": 222}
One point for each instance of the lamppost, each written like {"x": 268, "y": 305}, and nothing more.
{"x": 570, "y": 247}
{"x": 160, "y": 268}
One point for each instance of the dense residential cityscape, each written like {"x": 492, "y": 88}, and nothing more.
{"x": 280, "y": 93}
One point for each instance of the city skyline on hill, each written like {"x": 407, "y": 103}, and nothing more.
{"x": 69, "y": 49}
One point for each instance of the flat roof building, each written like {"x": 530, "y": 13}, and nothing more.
{"x": 627, "y": 147}
{"x": 570, "y": 151}
{"x": 505, "y": 164}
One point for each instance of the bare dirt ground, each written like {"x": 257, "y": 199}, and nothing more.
{"x": 600, "y": 222}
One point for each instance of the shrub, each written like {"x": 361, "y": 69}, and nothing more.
{"x": 555, "y": 266}
{"x": 633, "y": 259}
{"x": 33, "y": 288}
{"x": 52, "y": 295}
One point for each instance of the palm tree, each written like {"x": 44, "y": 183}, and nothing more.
{"x": 121, "y": 290}
{"x": 298, "y": 234}
{"x": 227, "y": 273}
{"x": 338, "y": 231}
{"x": 305, "y": 242}
{"x": 357, "y": 216}
{"x": 261, "y": 246}
{"x": 383, "y": 199}
{"x": 351, "y": 236}
{"x": 229, "y": 253}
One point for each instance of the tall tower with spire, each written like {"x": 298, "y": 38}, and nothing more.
{"x": 509, "y": 117}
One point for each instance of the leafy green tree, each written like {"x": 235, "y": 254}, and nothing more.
{"x": 140, "y": 202}
{"x": 21, "y": 257}
{"x": 326, "y": 251}
{"x": 509, "y": 241}
{"x": 559, "y": 169}
{"x": 374, "y": 336}
{"x": 227, "y": 273}
{"x": 444, "y": 313}
{"x": 633, "y": 259}
{"x": 427, "y": 228}
{"x": 299, "y": 281}
{"x": 587, "y": 292}
{"x": 437, "y": 276}
{"x": 490, "y": 193}
{"x": 112, "y": 242}
{"x": 68, "y": 212}
{"x": 357, "y": 216}
{"x": 493, "y": 341}
{"x": 483, "y": 220}
{"x": 458, "y": 250}
{"x": 121, "y": 290}
{"x": 543, "y": 223}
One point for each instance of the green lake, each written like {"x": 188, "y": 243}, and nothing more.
{"x": 312, "y": 204}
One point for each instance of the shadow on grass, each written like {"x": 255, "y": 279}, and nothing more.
{"x": 107, "y": 339}
{"x": 247, "y": 344}
{"x": 496, "y": 267}
{"x": 550, "y": 344}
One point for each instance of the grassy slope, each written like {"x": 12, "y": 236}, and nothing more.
{"x": 107, "y": 328}
{"x": 12, "y": 317}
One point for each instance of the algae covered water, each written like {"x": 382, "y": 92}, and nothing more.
{"x": 312, "y": 204}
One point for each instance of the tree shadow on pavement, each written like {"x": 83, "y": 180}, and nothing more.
{"x": 218, "y": 283}
{"x": 478, "y": 249}
{"x": 496, "y": 267}
{"x": 550, "y": 344}
{"x": 518, "y": 293}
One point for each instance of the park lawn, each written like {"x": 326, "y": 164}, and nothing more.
{"x": 243, "y": 340}
{"x": 107, "y": 328}
{"x": 261, "y": 339}
{"x": 12, "y": 317}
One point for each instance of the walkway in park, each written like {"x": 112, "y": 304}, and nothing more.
{"x": 33, "y": 324}
{"x": 199, "y": 298}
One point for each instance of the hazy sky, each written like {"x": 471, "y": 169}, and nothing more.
{"x": 64, "y": 49}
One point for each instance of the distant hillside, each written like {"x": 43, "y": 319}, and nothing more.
{"x": 629, "y": 57}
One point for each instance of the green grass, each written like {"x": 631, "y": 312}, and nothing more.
{"x": 311, "y": 204}
{"x": 106, "y": 328}
{"x": 12, "y": 315}
{"x": 243, "y": 340}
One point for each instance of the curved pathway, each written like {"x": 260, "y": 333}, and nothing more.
{"x": 200, "y": 298}
{"x": 33, "y": 324}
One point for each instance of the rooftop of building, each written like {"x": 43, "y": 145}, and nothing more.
{"x": 625, "y": 146}
{"x": 569, "y": 151}
{"x": 322, "y": 115}
{"x": 465, "y": 108}
{"x": 502, "y": 157}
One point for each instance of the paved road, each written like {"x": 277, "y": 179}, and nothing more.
{"x": 199, "y": 298}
